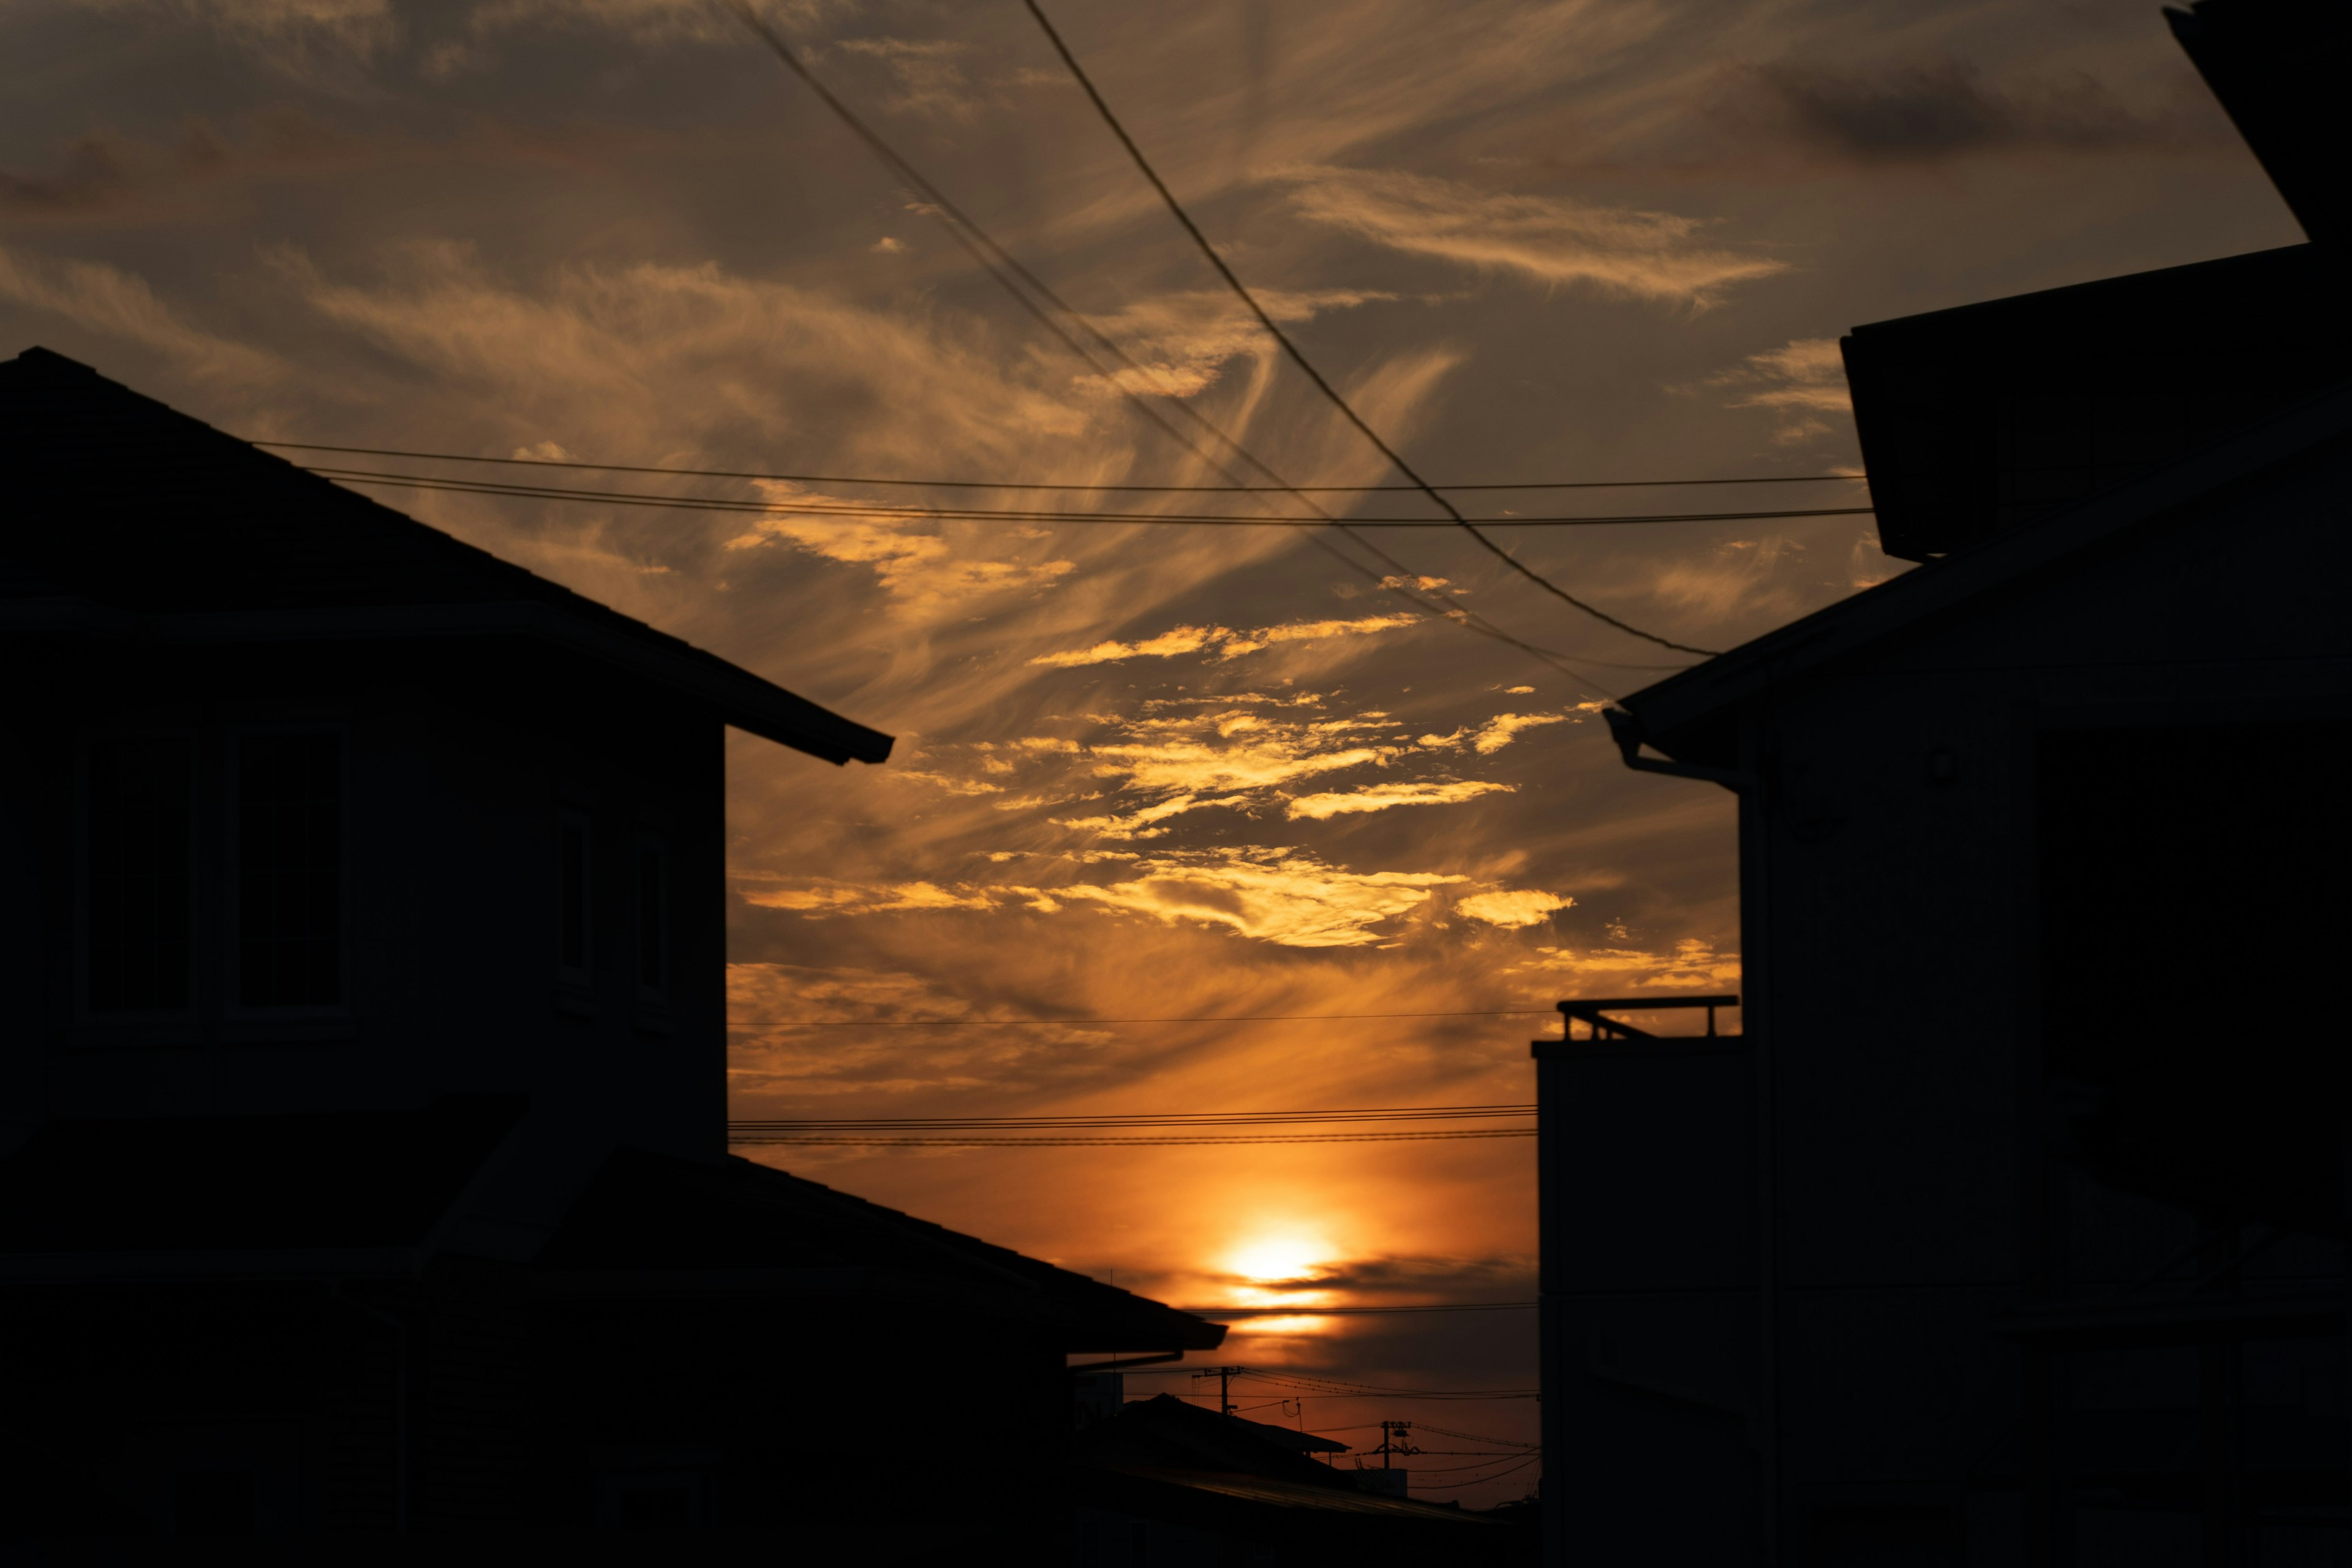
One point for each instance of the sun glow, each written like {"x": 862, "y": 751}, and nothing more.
{"x": 1274, "y": 1269}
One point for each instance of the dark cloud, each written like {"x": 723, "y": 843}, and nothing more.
{"x": 1464, "y": 1276}
{"x": 109, "y": 175}
{"x": 1944, "y": 108}
{"x": 93, "y": 177}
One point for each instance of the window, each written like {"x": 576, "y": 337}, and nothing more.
{"x": 216, "y": 1502}
{"x": 658, "y": 1502}
{"x": 138, "y": 825}
{"x": 573, "y": 949}
{"x": 289, "y": 871}
{"x": 653, "y": 919}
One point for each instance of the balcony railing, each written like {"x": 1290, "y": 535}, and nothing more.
{"x": 1590, "y": 1014}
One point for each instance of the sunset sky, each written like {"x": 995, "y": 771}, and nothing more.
{"x": 1140, "y": 772}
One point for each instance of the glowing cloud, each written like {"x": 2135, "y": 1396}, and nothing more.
{"x": 1224, "y": 641}
{"x": 1799, "y": 381}
{"x": 1285, "y": 897}
{"x": 848, "y": 899}
{"x": 1493, "y": 734}
{"x": 1383, "y": 796}
{"x": 1622, "y": 250}
{"x": 1512, "y": 909}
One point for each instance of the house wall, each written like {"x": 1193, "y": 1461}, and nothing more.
{"x": 1903, "y": 1179}
{"x": 460, "y": 758}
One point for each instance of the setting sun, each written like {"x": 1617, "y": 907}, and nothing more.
{"x": 1272, "y": 1269}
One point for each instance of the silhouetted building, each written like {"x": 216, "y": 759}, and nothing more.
{"x": 1166, "y": 1481}
{"x": 2012, "y": 1228}
{"x": 364, "y": 1074}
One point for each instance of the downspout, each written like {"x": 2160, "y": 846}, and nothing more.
{"x": 1625, "y": 729}
{"x": 399, "y": 1402}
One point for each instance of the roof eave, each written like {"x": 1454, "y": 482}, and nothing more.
{"x": 1682, "y": 705}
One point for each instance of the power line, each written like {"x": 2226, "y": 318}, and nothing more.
{"x": 1241, "y": 290}
{"x": 959, "y": 1141}
{"x": 1004, "y": 267}
{"x": 1478, "y": 1437}
{"x": 1146, "y": 1119}
{"x": 1482, "y": 1480}
{"x": 995, "y": 515}
{"x": 1089, "y": 1023}
{"x": 1030, "y": 485}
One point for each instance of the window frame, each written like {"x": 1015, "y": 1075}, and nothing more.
{"x": 234, "y": 1008}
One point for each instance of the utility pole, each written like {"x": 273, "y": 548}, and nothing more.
{"x": 1224, "y": 1376}
{"x": 1392, "y": 1443}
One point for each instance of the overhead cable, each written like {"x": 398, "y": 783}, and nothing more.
{"x": 1012, "y": 275}
{"x": 1089, "y": 1023}
{"x": 995, "y": 515}
{"x": 1128, "y": 1120}
{"x": 1298, "y": 358}
{"x": 747, "y": 1140}
{"x": 1481, "y": 1480}
{"x": 1033, "y": 484}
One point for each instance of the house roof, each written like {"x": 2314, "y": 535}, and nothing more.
{"x": 126, "y": 517}
{"x": 1166, "y": 1432}
{"x": 1687, "y": 716}
{"x": 2277, "y": 66}
{"x": 1266, "y": 1493}
{"x": 655, "y": 1224}
{"x": 1989, "y": 416}
{"x": 349, "y": 1181}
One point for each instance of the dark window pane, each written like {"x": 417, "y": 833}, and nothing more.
{"x": 289, "y": 870}
{"x": 215, "y": 1502}
{"x": 574, "y": 853}
{"x": 655, "y": 1507}
{"x": 137, "y": 867}
{"x": 653, "y": 929}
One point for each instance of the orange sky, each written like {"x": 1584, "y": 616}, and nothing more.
{"x": 1140, "y": 773}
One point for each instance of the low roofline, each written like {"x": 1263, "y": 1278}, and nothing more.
{"x": 1671, "y": 713}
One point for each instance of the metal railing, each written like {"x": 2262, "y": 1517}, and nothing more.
{"x": 1588, "y": 1013}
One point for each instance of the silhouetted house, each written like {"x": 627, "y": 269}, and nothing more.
{"x": 1165, "y": 1482}
{"x": 363, "y": 1059}
{"x": 2012, "y": 1229}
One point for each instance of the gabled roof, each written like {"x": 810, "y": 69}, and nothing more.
{"x": 654, "y": 1224}
{"x": 125, "y": 517}
{"x": 1166, "y": 1433}
{"x": 1688, "y": 715}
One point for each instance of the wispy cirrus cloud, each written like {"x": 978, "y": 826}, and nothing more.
{"x": 908, "y": 559}
{"x": 1554, "y": 240}
{"x": 1689, "y": 964}
{"x": 109, "y": 301}
{"x": 1799, "y": 381}
{"x": 1223, "y": 641}
{"x": 1183, "y": 341}
{"x": 1287, "y": 897}
{"x": 1493, "y": 735}
{"x": 1386, "y": 796}
{"x": 846, "y": 898}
